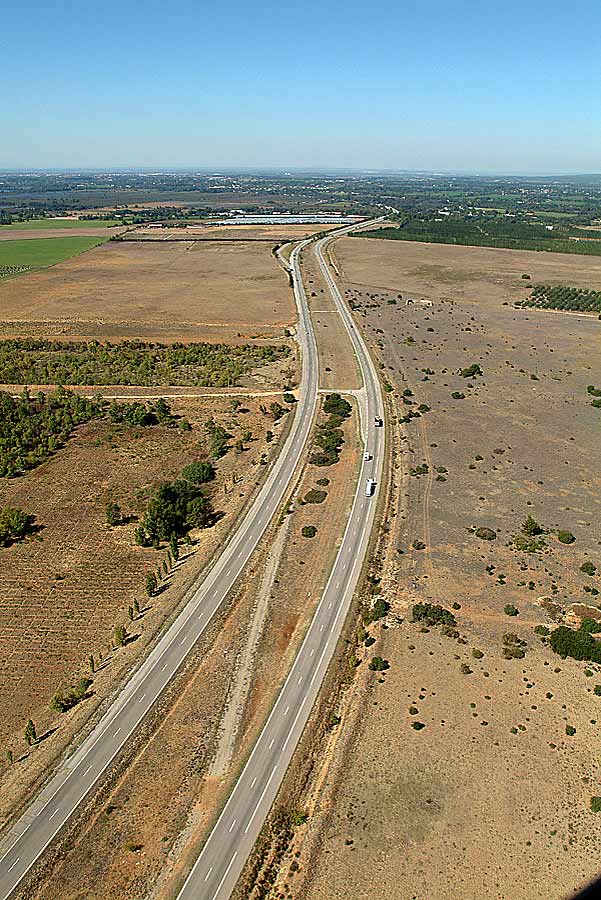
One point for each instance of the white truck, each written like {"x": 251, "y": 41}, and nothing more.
{"x": 378, "y": 421}
{"x": 370, "y": 487}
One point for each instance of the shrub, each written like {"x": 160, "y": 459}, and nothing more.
{"x": 595, "y": 804}
{"x": 378, "y": 664}
{"x": 570, "y": 730}
{"x": 471, "y": 371}
{"x": 511, "y": 610}
{"x": 566, "y": 537}
{"x": 597, "y": 690}
{"x": 337, "y": 405}
{"x": 527, "y": 544}
{"x": 531, "y": 527}
{"x": 457, "y": 395}
{"x": 15, "y": 525}
{"x": 432, "y": 614}
{"x": 588, "y": 568}
{"x": 542, "y": 629}
{"x": 485, "y": 534}
{"x": 418, "y": 725}
{"x": 113, "y": 513}
{"x": 63, "y": 702}
{"x": 198, "y": 472}
{"x": 314, "y": 496}
{"x": 376, "y": 611}
{"x": 309, "y": 531}
{"x": 576, "y": 644}
{"x": 289, "y": 398}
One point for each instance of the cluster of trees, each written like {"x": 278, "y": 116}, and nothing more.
{"x": 329, "y": 436}
{"x": 175, "y": 508}
{"x": 432, "y": 614}
{"x": 217, "y": 438}
{"x": 15, "y": 525}
{"x": 577, "y": 644}
{"x": 31, "y": 429}
{"x": 33, "y": 361}
{"x": 157, "y": 412}
{"x": 557, "y": 296}
{"x": 494, "y": 231}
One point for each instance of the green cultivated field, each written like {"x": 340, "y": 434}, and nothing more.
{"x": 34, "y": 224}
{"x": 35, "y": 254}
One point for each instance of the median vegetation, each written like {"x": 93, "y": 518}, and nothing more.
{"x": 329, "y": 436}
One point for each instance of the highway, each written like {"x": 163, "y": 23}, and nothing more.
{"x": 229, "y": 844}
{"x": 78, "y": 774}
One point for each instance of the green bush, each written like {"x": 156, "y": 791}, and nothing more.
{"x": 309, "y": 531}
{"x": 314, "y": 496}
{"x": 432, "y": 614}
{"x": 15, "y": 525}
{"x": 485, "y": 534}
{"x": 378, "y": 664}
{"x": 566, "y": 537}
{"x": 378, "y": 610}
{"x": 471, "y": 371}
{"x": 511, "y": 610}
{"x": 588, "y": 568}
{"x": 576, "y": 644}
{"x": 595, "y": 804}
{"x": 63, "y": 702}
{"x": 199, "y": 472}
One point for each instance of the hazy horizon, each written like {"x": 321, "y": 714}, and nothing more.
{"x": 470, "y": 89}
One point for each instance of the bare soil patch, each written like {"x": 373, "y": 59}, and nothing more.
{"x": 171, "y": 291}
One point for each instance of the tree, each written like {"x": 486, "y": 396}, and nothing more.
{"x": 199, "y": 472}
{"x": 173, "y": 545}
{"x": 531, "y": 527}
{"x": 15, "y": 524}
{"x": 151, "y": 584}
{"x": 120, "y": 635}
{"x": 30, "y": 733}
{"x": 113, "y": 513}
{"x": 378, "y": 664}
{"x": 91, "y": 663}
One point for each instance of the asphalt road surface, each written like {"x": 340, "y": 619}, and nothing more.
{"x": 78, "y": 774}
{"x": 228, "y": 846}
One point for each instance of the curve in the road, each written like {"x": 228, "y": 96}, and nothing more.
{"x": 229, "y": 844}
{"x": 51, "y": 810}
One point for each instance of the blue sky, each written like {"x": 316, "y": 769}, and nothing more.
{"x": 469, "y": 86}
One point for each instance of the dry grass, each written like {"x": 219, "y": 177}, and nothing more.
{"x": 472, "y": 274}
{"x": 467, "y": 808}
{"x": 176, "y": 291}
{"x": 200, "y": 232}
{"x": 76, "y": 583}
{"x": 170, "y": 818}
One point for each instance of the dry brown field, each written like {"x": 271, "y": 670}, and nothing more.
{"x": 481, "y": 275}
{"x": 491, "y": 798}
{"x": 199, "y": 232}
{"x": 138, "y": 837}
{"x": 177, "y": 291}
{"x": 77, "y": 577}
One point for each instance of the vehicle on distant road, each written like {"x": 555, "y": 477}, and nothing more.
{"x": 366, "y": 456}
{"x": 370, "y": 487}
{"x": 378, "y": 421}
